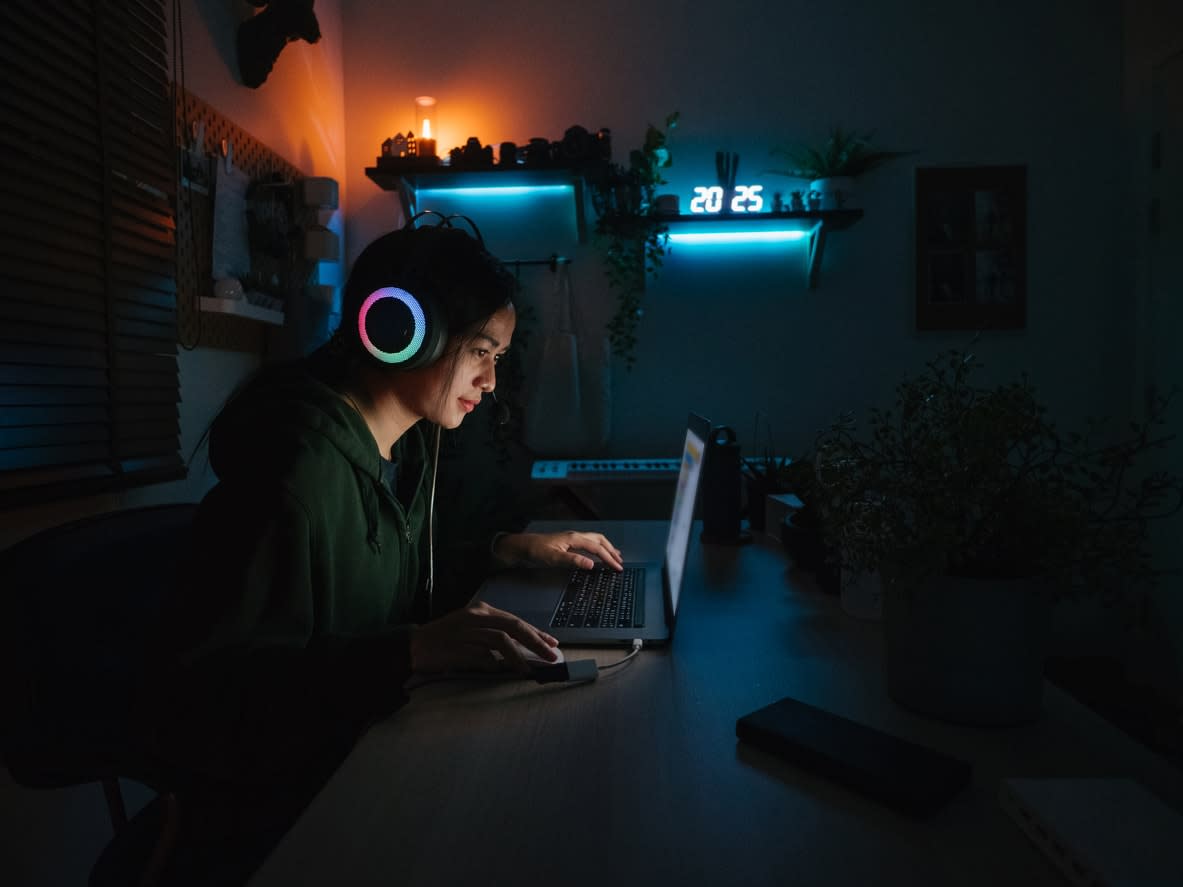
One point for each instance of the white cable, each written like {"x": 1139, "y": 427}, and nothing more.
{"x": 435, "y": 464}
{"x": 636, "y": 649}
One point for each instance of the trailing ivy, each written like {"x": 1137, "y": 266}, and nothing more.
{"x": 631, "y": 237}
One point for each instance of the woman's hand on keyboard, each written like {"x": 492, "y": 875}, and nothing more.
{"x": 567, "y": 549}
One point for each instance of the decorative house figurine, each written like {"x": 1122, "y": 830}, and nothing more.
{"x": 412, "y": 146}
{"x": 398, "y": 146}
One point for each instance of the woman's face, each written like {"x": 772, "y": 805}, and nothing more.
{"x": 451, "y": 388}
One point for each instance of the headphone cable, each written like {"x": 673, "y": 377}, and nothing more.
{"x": 435, "y": 464}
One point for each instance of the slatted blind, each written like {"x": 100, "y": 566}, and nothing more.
{"x": 89, "y": 387}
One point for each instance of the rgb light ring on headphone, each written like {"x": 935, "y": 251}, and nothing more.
{"x": 417, "y": 313}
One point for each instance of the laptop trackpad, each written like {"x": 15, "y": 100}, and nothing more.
{"x": 531, "y": 594}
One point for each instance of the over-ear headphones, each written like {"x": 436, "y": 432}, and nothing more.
{"x": 400, "y": 329}
{"x": 403, "y": 325}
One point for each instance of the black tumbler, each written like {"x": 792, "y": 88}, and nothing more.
{"x": 721, "y": 489}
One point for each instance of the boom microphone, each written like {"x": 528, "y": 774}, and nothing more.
{"x": 502, "y": 410}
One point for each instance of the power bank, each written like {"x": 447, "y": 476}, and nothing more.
{"x": 906, "y": 776}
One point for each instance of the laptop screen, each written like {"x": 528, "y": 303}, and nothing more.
{"x": 685, "y": 495}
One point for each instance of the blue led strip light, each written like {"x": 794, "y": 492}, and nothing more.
{"x": 725, "y": 237}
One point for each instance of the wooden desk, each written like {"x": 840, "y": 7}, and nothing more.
{"x": 638, "y": 778}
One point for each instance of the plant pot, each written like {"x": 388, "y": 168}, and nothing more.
{"x": 968, "y": 651}
{"x": 802, "y": 544}
{"x": 806, "y": 545}
{"x": 836, "y": 192}
{"x": 862, "y": 595}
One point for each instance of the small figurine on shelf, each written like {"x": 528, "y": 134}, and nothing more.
{"x": 538, "y": 153}
{"x": 815, "y": 200}
{"x": 778, "y": 202}
{"x": 796, "y": 202}
{"x": 395, "y": 146}
{"x": 473, "y": 155}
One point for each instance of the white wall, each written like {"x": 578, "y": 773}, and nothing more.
{"x": 963, "y": 82}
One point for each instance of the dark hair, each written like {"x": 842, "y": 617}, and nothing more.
{"x": 437, "y": 262}
{"x": 444, "y": 264}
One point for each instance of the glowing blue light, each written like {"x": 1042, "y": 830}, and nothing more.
{"x": 726, "y": 237}
{"x": 499, "y": 191}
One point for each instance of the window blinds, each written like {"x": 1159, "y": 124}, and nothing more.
{"x": 89, "y": 387}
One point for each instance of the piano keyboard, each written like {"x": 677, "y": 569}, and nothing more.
{"x": 569, "y": 471}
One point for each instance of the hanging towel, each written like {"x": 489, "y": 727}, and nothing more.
{"x": 554, "y": 413}
{"x": 596, "y": 377}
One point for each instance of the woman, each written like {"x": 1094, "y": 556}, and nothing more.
{"x": 309, "y": 601}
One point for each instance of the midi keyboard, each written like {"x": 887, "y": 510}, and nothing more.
{"x": 574, "y": 471}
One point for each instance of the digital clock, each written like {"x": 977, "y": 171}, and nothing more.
{"x": 710, "y": 199}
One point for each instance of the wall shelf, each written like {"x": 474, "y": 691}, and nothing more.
{"x": 814, "y": 225}
{"x": 241, "y": 308}
{"x": 409, "y": 183}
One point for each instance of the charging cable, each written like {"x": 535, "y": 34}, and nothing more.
{"x": 636, "y": 649}
{"x": 575, "y": 671}
{"x": 578, "y": 670}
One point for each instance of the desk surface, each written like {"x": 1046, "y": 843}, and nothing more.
{"x": 639, "y": 778}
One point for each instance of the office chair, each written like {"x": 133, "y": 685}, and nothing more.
{"x": 78, "y": 603}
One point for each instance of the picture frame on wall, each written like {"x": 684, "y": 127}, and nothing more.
{"x": 971, "y": 248}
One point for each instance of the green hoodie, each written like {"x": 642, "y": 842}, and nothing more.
{"x": 292, "y": 632}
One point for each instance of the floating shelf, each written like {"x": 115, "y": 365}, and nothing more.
{"x": 813, "y": 224}
{"x": 408, "y": 182}
{"x": 241, "y": 308}
{"x": 834, "y": 219}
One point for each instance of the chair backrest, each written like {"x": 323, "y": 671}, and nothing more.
{"x": 78, "y": 604}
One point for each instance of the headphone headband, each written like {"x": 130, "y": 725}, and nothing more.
{"x": 401, "y": 321}
{"x": 446, "y": 222}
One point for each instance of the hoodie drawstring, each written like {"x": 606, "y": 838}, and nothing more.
{"x": 369, "y": 498}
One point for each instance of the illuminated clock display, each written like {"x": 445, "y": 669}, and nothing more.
{"x": 711, "y": 198}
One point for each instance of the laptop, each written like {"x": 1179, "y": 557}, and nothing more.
{"x": 607, "y": 610}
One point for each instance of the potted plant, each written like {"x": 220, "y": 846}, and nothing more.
{"x": 832, "y": 167}
{"x": 977, "y": 512}
{"x": 631, "y": 236}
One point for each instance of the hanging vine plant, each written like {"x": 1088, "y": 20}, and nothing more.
{"x": 631, "y": 237}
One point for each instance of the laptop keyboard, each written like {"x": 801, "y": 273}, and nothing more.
{"x": 602, "y": 598}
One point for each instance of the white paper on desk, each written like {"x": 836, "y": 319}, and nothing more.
{"x": 1110, "y": 832}
{"x": 231, "y": 255}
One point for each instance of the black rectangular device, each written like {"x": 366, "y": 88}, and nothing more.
{"x": 906, "y": 776}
